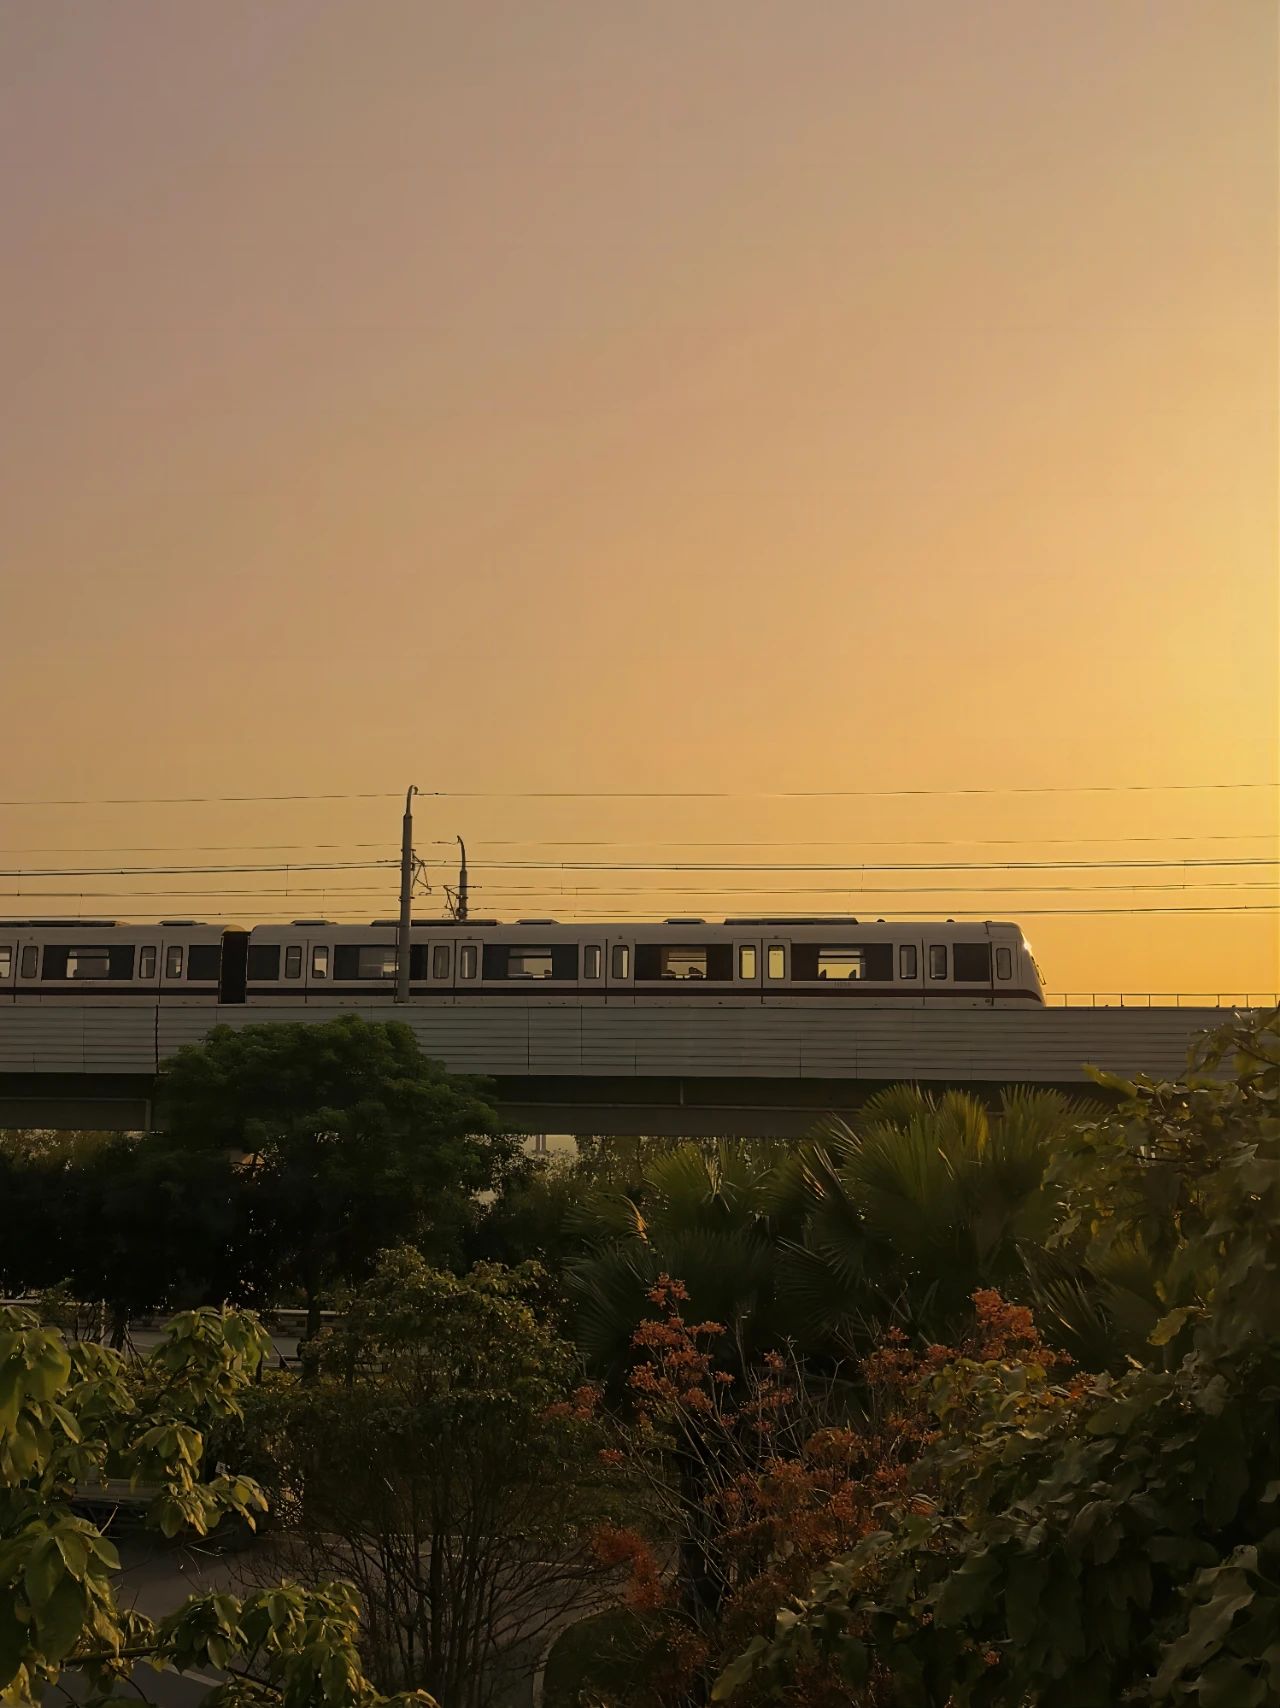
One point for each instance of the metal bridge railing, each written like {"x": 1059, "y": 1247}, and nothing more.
{"x": 1161, "y": 999}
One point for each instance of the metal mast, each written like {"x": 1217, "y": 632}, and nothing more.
{"x": 406, "y": 899}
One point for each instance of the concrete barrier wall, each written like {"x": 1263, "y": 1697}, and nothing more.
{"x": 657, "y": 1040}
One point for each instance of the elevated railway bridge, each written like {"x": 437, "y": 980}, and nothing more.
{"x": 660, "y": 1068}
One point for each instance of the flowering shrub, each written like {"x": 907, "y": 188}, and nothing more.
{"x": 758, "y": 1481}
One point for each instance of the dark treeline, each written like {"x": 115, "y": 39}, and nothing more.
{"x": 285, "y": 1158}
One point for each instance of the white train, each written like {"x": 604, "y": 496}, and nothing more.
{"x": 532, "y": 961}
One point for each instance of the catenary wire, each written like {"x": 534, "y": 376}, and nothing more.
{"x": 646, "y": 842}
{"x": 650, "y": 794}
{"x": 598, "y": 890}
{"x": 595, "y": 917}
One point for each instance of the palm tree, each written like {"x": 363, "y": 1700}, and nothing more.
{"x": 704, "y": 1215}
{"x": 896, "y": 1218}
{"x": 922, "y": 1201}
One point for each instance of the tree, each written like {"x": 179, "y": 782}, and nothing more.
{"x": 72, "y": 1415}
{"x": 351, "y": 1138}
{"x": 147, "y": 1226}
{"x": 441, "y": 1458}
{"x": 918, "y": 1203}
{"x": 712, "y": 1215}
{"x": 899, "y": 1217}
{"x": 132, "y": 1223}
{"x": 1105, "y": 1539}
{"x": 32, "y": 1193}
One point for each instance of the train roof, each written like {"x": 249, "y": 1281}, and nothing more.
{"x": 779, "y": 921}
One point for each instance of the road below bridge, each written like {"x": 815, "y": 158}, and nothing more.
{"x": 755, "y": 1069}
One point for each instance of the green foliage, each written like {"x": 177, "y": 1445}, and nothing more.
{"x": 920, "y": 1202}
{"x": 1113, "y": 1539}
{"x": 352, "y": 1140}
{"x": 74, "y": 1415}
{"x": 704, "y": 1213}
{"x": 439, "y": 1456}
{"x": 898, "y": 1217}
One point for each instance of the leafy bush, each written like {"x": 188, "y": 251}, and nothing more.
{"x": 1105, "y": 1540}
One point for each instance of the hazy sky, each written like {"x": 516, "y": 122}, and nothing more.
{"x": 727, "y": 395}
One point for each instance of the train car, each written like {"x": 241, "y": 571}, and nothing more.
{"x": 174, "y": 960}
{"x": 733, "y": 962}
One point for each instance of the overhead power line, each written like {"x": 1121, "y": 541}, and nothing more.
{"x": 826, "y": 794}
{"x": 192, "y": 871}
{"x": 669, "y": 890}
{"x": 599, "y": 917}
{"x": 200, "y": 847}
{"x": 1215, "y": 861}
{"x": 842, "y": 842}
{"x": 639, "y": 842}
{"x": 195, "y": 800}
{"x": 650, "y": 794}
{"x": 522, "y": 897}
{"x": 858, "y": 870}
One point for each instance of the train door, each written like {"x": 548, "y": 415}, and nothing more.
{"x": 470, "y": 965}
{"x": 746, "y": 965}
{"x": 910, "y": 967}
{"x": 173, "y": 966}
{"x": 318, "y": 967}
{"x": 28, "y": 957}
{"x": 618, "y": 968}
{"x": 591, "y": 971}
{"x": 776, "y": 969}
{"x": 440, "y": 967}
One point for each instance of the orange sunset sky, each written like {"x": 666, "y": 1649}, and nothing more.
{"x": 709, "y": 396}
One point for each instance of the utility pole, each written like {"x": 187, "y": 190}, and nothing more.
{"x": 461, "y": 912}
{"x": 406, "y": 899}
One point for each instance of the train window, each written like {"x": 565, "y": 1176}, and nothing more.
{"x": 971, "y": 963}
{"x": 320, "y": 961}
{"x": 468, "y": 960}
{"x": 293, "y": 960}
{"x": 364, "y": 961}
{"x": 620, "y": 962}
{"x": 746, "y": 960}
{"x": 147, "y": 962}
{"x": 173, "y": 961}
{"x": 6, "y": 961}
{"x": 115, "y": 962}
{"x": 375, "y": 961}
{"x": 530, "y": 961}
{"x": 684, "y": 961}
{"x": 842, "y": 964}
{"x": 78, "y": 964}
{"x": 592, "y": 960}
{"x": 441, "y": 955}
{"x": 264, "y": 962}
{"x": 28, "y": 960}
{"x": 776, "y": 961}
{"x": 937, "y": 960}
{"x": 204, "y": 960}
{"x": 842, "y": 961}
{"x": 907, "y": 961}
{"x": 1004, "y": 964}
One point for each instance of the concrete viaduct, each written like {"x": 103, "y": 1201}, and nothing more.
{"x": 617, "y": 1069}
